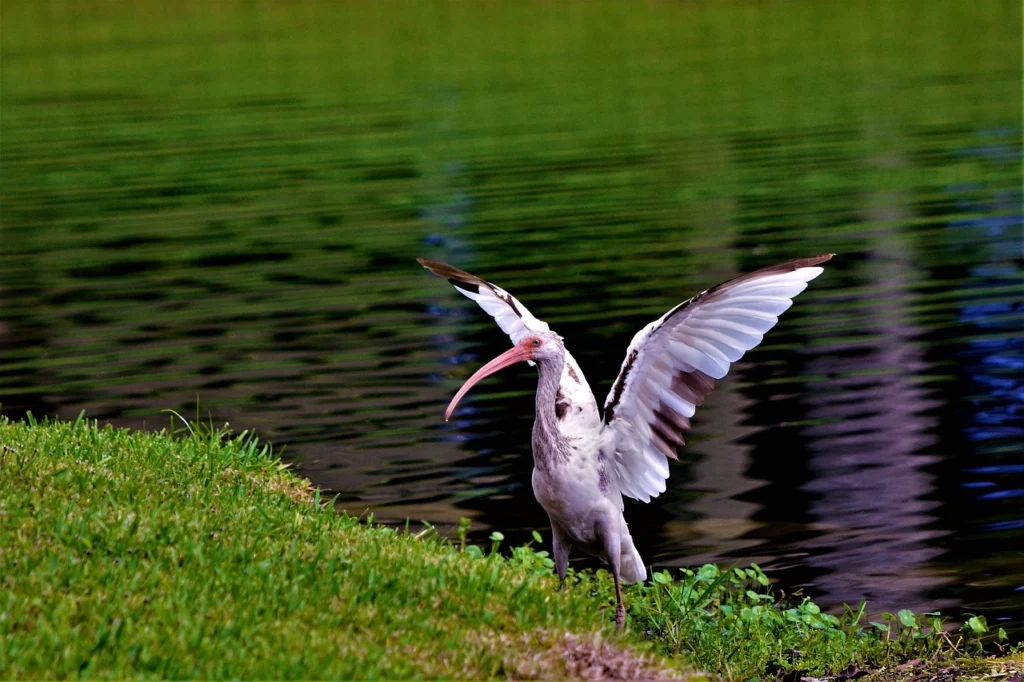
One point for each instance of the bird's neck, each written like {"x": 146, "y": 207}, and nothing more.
{"x": 549, "y": 445}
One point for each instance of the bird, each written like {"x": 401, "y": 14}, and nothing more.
{"x": 586, "y": 461}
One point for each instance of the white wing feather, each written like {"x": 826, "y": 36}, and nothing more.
{"x": 516, "y": 321}
{"x": 502, "y": 306}
{"x": 672, "y": 363}
{"x": 511, "y": 315}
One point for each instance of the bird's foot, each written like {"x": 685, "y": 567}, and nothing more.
{"x": 561, "y": 584}
{"x": 620, "y": 617}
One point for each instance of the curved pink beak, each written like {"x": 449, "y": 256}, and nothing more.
{"x": 509, "y": 357}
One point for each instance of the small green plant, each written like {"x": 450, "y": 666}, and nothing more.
{"x": 731, "y": 621}
{"x": 461, "y": 531}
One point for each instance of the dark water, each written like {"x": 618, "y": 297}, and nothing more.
{"x": 224, "y": 204}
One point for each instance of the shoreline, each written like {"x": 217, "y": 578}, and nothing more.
{"x": 198, "y": 554}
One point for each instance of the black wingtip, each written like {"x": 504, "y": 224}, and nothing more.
{"x": 453, "y": 274}
{"x": 436, "y": 267}
{"x": 810, "y": 262}
{"x": 465, "y": 286}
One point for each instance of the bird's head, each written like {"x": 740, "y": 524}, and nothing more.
{"x": 542, "y": 346}
{"x": 537, "y": 347}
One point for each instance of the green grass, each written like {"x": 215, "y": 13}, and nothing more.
{"x": 197, "y": 554}
{"x": 130, "y": 554}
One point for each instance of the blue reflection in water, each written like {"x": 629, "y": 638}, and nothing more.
{"x": 991, "y": 358}
{"x": 999, "y": 469}
{"x": 994, "y": 366}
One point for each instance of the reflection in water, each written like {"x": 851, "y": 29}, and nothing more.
{"x": 870, "y": 424}
{"x": 725, "y": 518}
{"x": 990, "y": 368}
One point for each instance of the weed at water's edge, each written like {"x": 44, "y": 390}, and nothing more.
{"x": 731, "y": 621}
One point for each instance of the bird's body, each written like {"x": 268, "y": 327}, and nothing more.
{"x": 586, "y": 461}
{"x": 571, "y": 478}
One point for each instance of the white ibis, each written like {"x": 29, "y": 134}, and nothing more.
{"x": 585, "y": 462}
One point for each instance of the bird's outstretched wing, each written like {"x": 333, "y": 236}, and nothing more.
{"x": 672, "y": 364}
{"x": 511, "y": 315}
{"x": 576, "y": 400}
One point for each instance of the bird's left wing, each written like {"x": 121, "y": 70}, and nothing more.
{"x": 575, "y": 397}
{"x": 672, "y": 364}
{"x": 511, "y": 315}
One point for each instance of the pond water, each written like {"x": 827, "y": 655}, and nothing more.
{"x": 224, "y": 204}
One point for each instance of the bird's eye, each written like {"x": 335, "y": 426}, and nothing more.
{"x": 536, "y": 342}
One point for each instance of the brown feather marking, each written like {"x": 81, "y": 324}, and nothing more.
{"x": 508, "y": 299}
{"x": 705, "y": 384}
{"x": 620, "y": 384}
{"x": 672, "y": 420}
{"x": 659, "y": 434}
{"x": 659, "y": 442}
{"x": 561, "y": 405}
{"x": 681, "y": 388}
{"x": 668, "y": 427}
{"x": 693, "y": 386}
{"x": 572, "y": 374}
{"x": 665, "y": 427}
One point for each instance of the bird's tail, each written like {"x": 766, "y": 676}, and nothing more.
{"x": 631, "y": 566}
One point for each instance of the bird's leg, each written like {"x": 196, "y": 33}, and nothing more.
{"x": 560, "y": 550}
{"x": 620, "y": 610}
{"x": 612, "y": 548}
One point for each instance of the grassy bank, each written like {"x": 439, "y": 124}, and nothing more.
{"x": 129, "y": 554}
{"x": 136, "y": 554}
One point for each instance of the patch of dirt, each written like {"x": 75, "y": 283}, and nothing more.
{"x": 297, "y": 488}
{"x": 1008, "y": 669}
{"x": 547, "y": 655}
{"x": 589, "y": 658}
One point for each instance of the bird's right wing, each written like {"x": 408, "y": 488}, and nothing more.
{"x": 511, "y": 315}
{"x": 516, "y": 321}
{"x": 672, "y": 364}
